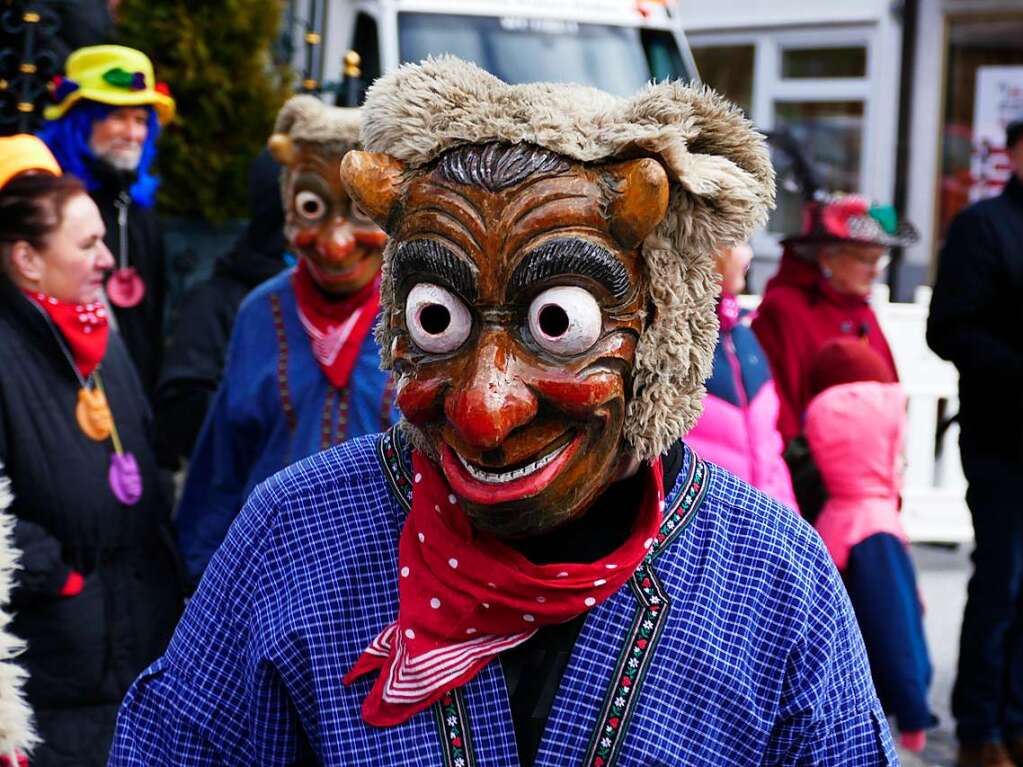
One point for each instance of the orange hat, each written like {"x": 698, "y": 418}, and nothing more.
{"x": 24, "y": 152}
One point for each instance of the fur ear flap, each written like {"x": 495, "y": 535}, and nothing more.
{"x": 281, "y": 148}
{"x": 642, "y": 199}
{"x": 373, "y": 180}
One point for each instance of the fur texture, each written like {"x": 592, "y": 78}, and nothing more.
{"x": 722, "y": 189}
{"x": 308, "y": 120}
{"x": 17, "y": 734}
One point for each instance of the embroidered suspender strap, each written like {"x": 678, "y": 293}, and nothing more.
{"x": 327, "y": 419}
{"x": 646, "y": 627}
{"x": 681, "y": 511}
{"x": 453, "y": 729}
{"x": 390, "y": 449}
{"x": 342, "y": 416}
{"x": 282, "y": 363}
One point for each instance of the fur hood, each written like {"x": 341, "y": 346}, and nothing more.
{"x": 16, "y": 731}
{"x": 308, "y": 120}
{"x": 722, "y": 187}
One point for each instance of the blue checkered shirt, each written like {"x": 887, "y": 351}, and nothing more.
{"x": 734, "y": 643}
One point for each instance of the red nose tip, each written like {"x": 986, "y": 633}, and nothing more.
{"x": 491, "y": 403}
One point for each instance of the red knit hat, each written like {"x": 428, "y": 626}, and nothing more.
{"x": 847, "y": 360}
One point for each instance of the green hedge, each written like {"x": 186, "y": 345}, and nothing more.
{"x": 216, "y": 57}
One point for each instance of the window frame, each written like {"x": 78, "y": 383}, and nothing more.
{"x": 876, "y": 177}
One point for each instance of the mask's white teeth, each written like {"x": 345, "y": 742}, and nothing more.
{"x": 498, "y": 478}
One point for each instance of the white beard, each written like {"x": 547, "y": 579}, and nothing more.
{"x": 124, "y": 158}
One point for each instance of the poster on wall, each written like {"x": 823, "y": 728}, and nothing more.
{"x": 998, "y": 101}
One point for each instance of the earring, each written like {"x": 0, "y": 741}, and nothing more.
{"x": 826, "y": 272}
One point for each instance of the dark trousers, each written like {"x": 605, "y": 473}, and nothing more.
{"x": 987, "y": 700}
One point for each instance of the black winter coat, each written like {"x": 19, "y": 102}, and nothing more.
{"x": 194, "y": 361}
{"x": 976, "y": 316}
{"x": 85, "y": 650}
{"x": 141, "y": 326}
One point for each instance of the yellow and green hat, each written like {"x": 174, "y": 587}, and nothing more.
{"x": 110, "y": 74}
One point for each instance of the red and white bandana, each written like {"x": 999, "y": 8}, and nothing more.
{"x": 336, "y": 329}
{"x": 85, "y": 328}
{"x": 464, "y": 597}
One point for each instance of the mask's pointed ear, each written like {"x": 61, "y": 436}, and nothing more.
{"x": 281, "y": 148}
{"x": 641, "y": 202}
{"x": 373, "y": 181}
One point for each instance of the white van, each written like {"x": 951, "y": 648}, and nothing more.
{"x": 614, "y": 45}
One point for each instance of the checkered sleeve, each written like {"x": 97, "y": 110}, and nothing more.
{"x": 830, "y": 713}
{"x": 211, "y": 699}
{"x": 152, "y": 728}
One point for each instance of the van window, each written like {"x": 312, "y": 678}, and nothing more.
{"x": 613, "y": 58}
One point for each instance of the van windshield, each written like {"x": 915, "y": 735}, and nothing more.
{"x": 616, "y": 59}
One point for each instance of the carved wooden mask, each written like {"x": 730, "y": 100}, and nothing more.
{"x": 522, "y": 295}
{"x": 341, "y": 245}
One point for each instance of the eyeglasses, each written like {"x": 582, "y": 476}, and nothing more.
{"x": 880, "y": 262}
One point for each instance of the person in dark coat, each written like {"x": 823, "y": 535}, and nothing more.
{"x": 97, "y": 595}
{"x": 104, "y": 130}
{"x": 194, "y": 361}
{"x": 975, "y": 320}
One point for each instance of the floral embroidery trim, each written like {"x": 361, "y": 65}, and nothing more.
{"x": 647, "y": 625}
{"x": 631, "y": 667}
{"x": 282, "y": 364}
{"x": 334, "y": 432}
{"x": 391, "y": 450}
{"x": 682, "y": 508}
{"x": 453, "y": 730}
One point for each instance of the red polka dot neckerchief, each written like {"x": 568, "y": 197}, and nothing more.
{"x": 82, "y": 332}
{"x": 464, "y": 596}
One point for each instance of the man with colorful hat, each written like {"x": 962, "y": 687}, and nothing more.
{"x": 103, "y": 129}
{"x": 821, "y": 292}
{"x": 303, "y": 368}
{"x": 532, "y": 569}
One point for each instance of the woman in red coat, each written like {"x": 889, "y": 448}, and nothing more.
{"x": 820, "y": 292}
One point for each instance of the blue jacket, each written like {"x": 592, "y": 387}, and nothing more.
{"x": 734, "y": 642}
{"x": 274, "y": 407}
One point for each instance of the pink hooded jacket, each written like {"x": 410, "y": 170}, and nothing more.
{"x": 856, "y": 433}
{"x": 738, "y": 429}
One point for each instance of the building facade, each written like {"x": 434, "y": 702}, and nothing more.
{"x": 882, "y": 96}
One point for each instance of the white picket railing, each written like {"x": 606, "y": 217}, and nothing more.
{"x": 934, "y": 494}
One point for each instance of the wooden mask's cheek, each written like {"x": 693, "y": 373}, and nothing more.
{"x": 504, "y": 403}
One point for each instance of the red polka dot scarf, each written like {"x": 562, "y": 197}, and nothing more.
{"x": 85, "y": 328}
{"x": 464, "y": 597}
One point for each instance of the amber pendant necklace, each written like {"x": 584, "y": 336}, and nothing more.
{"x": 96, "y": 421}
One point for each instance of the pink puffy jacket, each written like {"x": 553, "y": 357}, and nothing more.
{"x": 738, "y": 429}
{"x": 856, "y": 433}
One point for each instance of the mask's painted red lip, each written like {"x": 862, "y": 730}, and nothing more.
{"x": 340, "y": 274}
{"x": 474, "y": 490}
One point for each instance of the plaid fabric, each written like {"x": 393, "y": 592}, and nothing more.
{"x": 759, "y": 660}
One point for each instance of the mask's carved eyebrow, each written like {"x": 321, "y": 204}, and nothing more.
{"x": 571, "y": 255}
{"x": 431, "y": 257}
